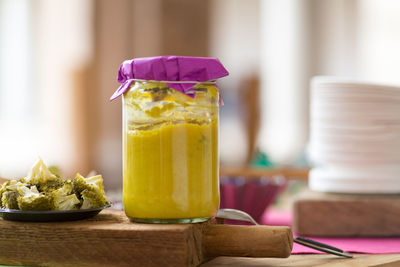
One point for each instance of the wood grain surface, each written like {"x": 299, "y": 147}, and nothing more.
{"x": 255, "y": 173}
{"x": 107, "y": 240}
{"x": 247, "y": 241}
{"x": 345, "y": 215}
{"x": 110, "y": 239}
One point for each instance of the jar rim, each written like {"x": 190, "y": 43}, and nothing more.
{"x": 174, "y": 82}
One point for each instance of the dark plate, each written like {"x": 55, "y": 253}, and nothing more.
{"x": 49, "y": 215}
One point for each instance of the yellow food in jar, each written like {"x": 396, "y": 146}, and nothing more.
{"x": 170, "y": 170}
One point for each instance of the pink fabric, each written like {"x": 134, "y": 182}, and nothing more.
{"x": 251, "y": 196}
{"x": 358, "y": 245}
{"x": 169, "y": 68}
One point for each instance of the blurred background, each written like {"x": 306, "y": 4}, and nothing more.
{"x": 59, "y": 62}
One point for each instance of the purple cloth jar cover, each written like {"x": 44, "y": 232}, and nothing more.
{"x": 169, "y": 68}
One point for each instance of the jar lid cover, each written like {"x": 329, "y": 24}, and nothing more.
{"x": 169, "y": 68}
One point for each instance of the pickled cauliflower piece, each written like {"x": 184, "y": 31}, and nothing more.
{"x": 32, "y": 199}
{"x": 91, "y": 190}
{"x": 43, "y": 178}
{"x": 69, "y": 202}
{"x": 92, "y": 199}
{"x": 9, "y": 200}
{"x": 44, "y": 190}
{"x": 10, "y": 192}
{"x": 9, "y": 195}
{"x": 64, "y": 197}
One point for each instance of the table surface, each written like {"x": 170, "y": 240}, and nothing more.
{"x": 310, "y": 260}
{"x": 385, "y": 260}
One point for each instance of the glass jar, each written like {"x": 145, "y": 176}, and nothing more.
{"x": 170, "y": 158}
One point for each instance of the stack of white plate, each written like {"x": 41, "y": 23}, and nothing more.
{"x": 355, "y": 136}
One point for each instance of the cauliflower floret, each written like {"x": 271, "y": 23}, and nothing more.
{"x": 90, "y": 190}
{"x": 69, "y": 202}
{"x": 43, "y": 178}
{"x": 92, "y": 199}
{"x": 64, "y": 198}
{"x": 4, "y": 192}
{"x": 91, "y": 183}
{"x": 31, "y": 199}
{"x": 43, "y": 190}
{"x": 9, "y": 200}
{"x": 66, "y": 189}
{"x": 10, "y": 193}
{"x": 17, "y": 195}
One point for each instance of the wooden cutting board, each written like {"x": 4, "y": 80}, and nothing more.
{"x": 346, "y": 215}
{"x": 110, "y": 239}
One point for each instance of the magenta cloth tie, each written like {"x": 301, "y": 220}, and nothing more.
{"x": 169, "y": 68}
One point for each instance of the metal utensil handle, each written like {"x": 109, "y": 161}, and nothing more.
{"x": 322, "y": 247}
{"x": 306, "y": 240}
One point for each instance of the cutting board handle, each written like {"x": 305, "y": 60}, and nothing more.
{"x": 247, "y": 241}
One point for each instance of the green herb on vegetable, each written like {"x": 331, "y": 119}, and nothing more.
{"x": 42, "y": 190}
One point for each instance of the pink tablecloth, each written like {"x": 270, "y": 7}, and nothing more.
{"x": 359, "y": 245}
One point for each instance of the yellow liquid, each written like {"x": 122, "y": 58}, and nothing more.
{"x": 171, "y": 172}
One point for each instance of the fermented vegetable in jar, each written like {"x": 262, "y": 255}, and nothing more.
{"x": 170, "y": 144}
